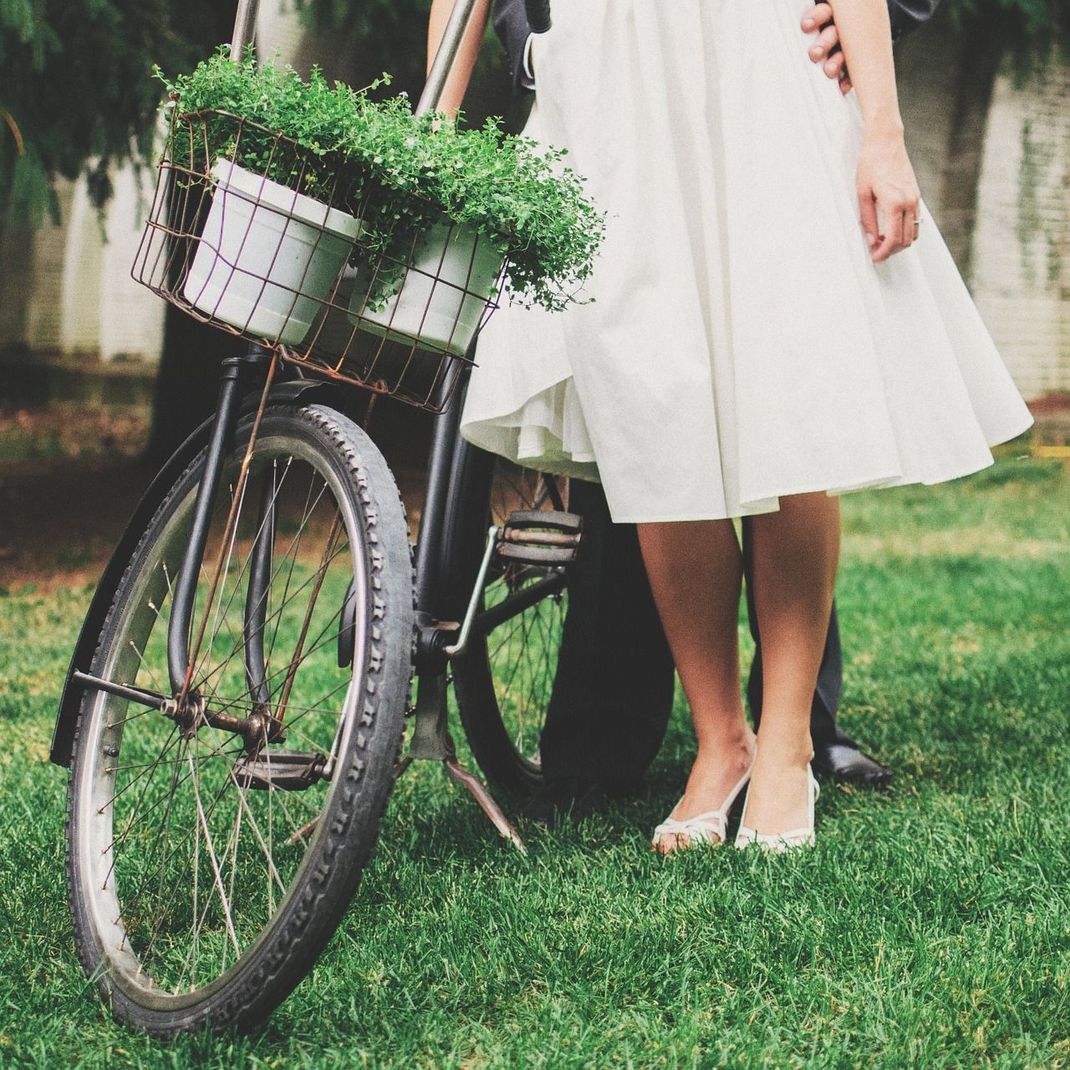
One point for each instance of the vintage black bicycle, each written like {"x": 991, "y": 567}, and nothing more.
{"x": 234, "y": 713}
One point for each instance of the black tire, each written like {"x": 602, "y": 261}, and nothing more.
{"x": 504, "y": 680}
{"x": 286, "y": 899}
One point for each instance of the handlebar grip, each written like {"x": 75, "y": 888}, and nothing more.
{"x": 538, "y": 12}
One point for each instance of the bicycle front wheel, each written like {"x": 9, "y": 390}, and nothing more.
{"x": 213, "y": 847}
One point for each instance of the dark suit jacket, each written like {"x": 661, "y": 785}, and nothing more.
{"x": 511, "y": 24}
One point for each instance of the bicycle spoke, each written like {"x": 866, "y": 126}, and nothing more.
{"x": 214, "y": 862}
{"x": 164, "y": 908}
{"x": 237, "y": 583}
{"x": 276, "y": 614}
{"x": 291, "y": 671}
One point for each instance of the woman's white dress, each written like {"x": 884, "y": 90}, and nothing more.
{"x": 741, "y": 344}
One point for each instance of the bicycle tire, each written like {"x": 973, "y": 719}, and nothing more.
{"x": 142, "y": 975}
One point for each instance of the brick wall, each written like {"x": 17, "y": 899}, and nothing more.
{"x": 1021, "y": 276}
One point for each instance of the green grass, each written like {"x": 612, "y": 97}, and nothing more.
{"x": 929, "y": 928}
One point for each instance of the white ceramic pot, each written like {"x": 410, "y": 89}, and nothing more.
{"x": 431, "y": 304}
{"x": 267, "y": 255}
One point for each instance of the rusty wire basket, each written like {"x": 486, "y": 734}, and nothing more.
{"x": 251, "y": 232}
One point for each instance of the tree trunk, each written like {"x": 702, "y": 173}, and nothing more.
{"x": 191, "y": 354}
{"x": 187, "y": 379}
{"x": 982, "y": 52}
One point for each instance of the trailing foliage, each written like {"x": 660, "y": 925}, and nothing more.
{"x": 1027, "y": 30}
{"x": 314, "y": 117}
{"x": 77, "y": 89}
{"x": 403, "y": 172}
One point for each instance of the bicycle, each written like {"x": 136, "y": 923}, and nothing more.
{"x": 234, "y": 711}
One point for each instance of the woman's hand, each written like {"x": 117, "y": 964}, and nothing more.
{"x": 888, "y": 192}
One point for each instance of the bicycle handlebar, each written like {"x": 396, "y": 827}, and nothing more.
{"x": 538, "y": 12}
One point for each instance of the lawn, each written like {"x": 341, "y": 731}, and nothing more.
{"x": 929, "y": 928}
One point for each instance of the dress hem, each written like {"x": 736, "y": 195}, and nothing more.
{"x": 755, "y": 509}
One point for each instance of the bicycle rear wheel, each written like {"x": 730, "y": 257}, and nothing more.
{"x": 504, "y": 681}
{"x": 213, "y": 848}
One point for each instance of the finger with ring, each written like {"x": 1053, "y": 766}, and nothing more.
{"x": 910, "y": 226}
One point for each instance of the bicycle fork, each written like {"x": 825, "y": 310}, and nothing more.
{"x": 184, "y": 705}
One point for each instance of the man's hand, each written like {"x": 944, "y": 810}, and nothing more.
{"x": 826, "y": 49}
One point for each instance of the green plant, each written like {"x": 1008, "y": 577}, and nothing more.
{"x": 76, "y": 93}
{"x": 401, "y": 172}
{"x": 239, "y": 110}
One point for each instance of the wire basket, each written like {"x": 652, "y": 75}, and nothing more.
{"x": 254, "y": 234}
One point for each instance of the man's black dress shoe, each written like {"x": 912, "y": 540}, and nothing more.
{"x": 841, "y": 759}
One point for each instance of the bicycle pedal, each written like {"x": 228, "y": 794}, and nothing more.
{"x": 541, "y": 537}
{"x": 283, "y": 770}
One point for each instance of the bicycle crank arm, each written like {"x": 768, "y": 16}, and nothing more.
{"x": 477, "y": 591}
{"x": 538, "y": 538}
{"x": 550, "y": 585}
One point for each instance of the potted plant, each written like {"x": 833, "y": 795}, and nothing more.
{"x": 441, "y": 210}
{"x": 277, "y": 232}
{"x": 454, "y": 206}
{"x": 432, "y": 285}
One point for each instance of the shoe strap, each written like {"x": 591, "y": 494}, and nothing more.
{"x": 795, "y": 836}
{"x": 708, "y": 820}
{"x": 713, "y": 821}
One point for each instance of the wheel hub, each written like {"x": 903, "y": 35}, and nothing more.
{"x": 192, "y": 713}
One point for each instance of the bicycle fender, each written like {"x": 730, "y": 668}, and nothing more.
{"x": 81, "y": 660}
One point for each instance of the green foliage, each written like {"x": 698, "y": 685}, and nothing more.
{"x": 404, "y": 172}
{"x": 313, "y": 116}
{"x": 1027, "y": 30}
{"x": 77, "y": 90}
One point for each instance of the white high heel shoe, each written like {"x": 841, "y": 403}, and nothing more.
{"x": 780, "y": 842}
{"x": 710, "y": 826}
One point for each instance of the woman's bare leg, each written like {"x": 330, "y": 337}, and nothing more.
{"x": 796, "y": 551}
{"x": 696, "y": 570}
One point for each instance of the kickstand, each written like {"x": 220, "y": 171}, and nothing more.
{"x": 431, "y": 741}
